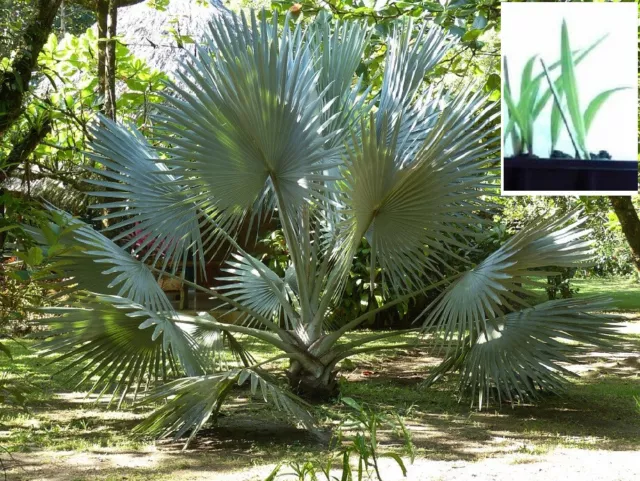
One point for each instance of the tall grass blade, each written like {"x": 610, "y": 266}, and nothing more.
{"x": 595, "y": 104}
{"x": 571, "y": 90}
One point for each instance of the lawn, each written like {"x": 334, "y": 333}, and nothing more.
{"x": 624, "y": 292}
{"x": 63, "y": 435}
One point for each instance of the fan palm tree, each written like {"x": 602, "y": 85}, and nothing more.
{"x": 271, "y": 121}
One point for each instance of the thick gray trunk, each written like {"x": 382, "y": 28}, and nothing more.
{"x": 311, "y": 387}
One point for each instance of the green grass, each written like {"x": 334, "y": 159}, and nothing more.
{"x": 625, "y": 293}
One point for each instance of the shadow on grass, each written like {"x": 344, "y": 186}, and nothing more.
{"x": 596, "y": 412}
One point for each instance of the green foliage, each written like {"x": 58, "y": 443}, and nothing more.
{"x": 67, "y": 99}
{"x": 533, "y": 98}
{"x": 355, "y": 437}
{"x": 16, "y": 14}
{"x": 475, "y": 23}
{"x": 23, "y": 285}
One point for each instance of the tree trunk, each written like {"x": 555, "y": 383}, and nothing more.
{"x": 628, "y": 217}
{"x": 14, "y": 82}
{"x": 102, "y": 12}
{"x": 3, "y": 235}
{"x": 110, "y": 77}
{"x": 312, "y": 387}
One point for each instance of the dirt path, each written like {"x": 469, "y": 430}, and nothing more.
{"x": 558, "y": 465}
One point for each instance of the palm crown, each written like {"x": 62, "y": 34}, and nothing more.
{"x": 271, "y": 121}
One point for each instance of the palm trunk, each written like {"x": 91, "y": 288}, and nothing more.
{"x": 311, "y": 386}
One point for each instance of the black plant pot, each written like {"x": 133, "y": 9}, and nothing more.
{"x": 531, "y": 174}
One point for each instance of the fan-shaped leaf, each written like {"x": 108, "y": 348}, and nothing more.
{"x": 403, "y": 205}
{"x": 193, "y": 400}
{"x": 338, "y": 47}
{"x": 412, "y": 54}
{"x": 248, "y": 286}
{"x": 107, "y": 337}
{"x": 249, "y": 114}
{"x": 82, "y": 250}
{"x": 150, "y": 210}
{"x": 495, "y": 286}
{"x": 526, "y": 349}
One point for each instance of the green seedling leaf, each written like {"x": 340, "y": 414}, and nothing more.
{"x": 580, "y": 55}
{"x": 398, "y": 460}
{"x": 571, "y": 89}
{"x": 595, "y": 104}
{"x": 352, "y": 403}
{"x": 513, "y": 110}
{"x": 346, "y": 467}
{"x": 527, "y": 100}
{"x": 274, "y": 473}
{"x": 525, "y": 81}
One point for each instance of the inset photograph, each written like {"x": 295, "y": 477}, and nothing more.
{"x": 569, "y": 99}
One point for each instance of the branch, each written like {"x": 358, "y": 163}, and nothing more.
{"x": 93, "y": 4}
{"x": 23, "y": 149}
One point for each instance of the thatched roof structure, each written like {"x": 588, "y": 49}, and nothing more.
{"x": 148, "y": 32}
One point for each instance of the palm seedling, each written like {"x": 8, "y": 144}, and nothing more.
{"x": 580, "y": 121}
{"x": 271, "y": 120}
{"x": 524, "y": 111}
